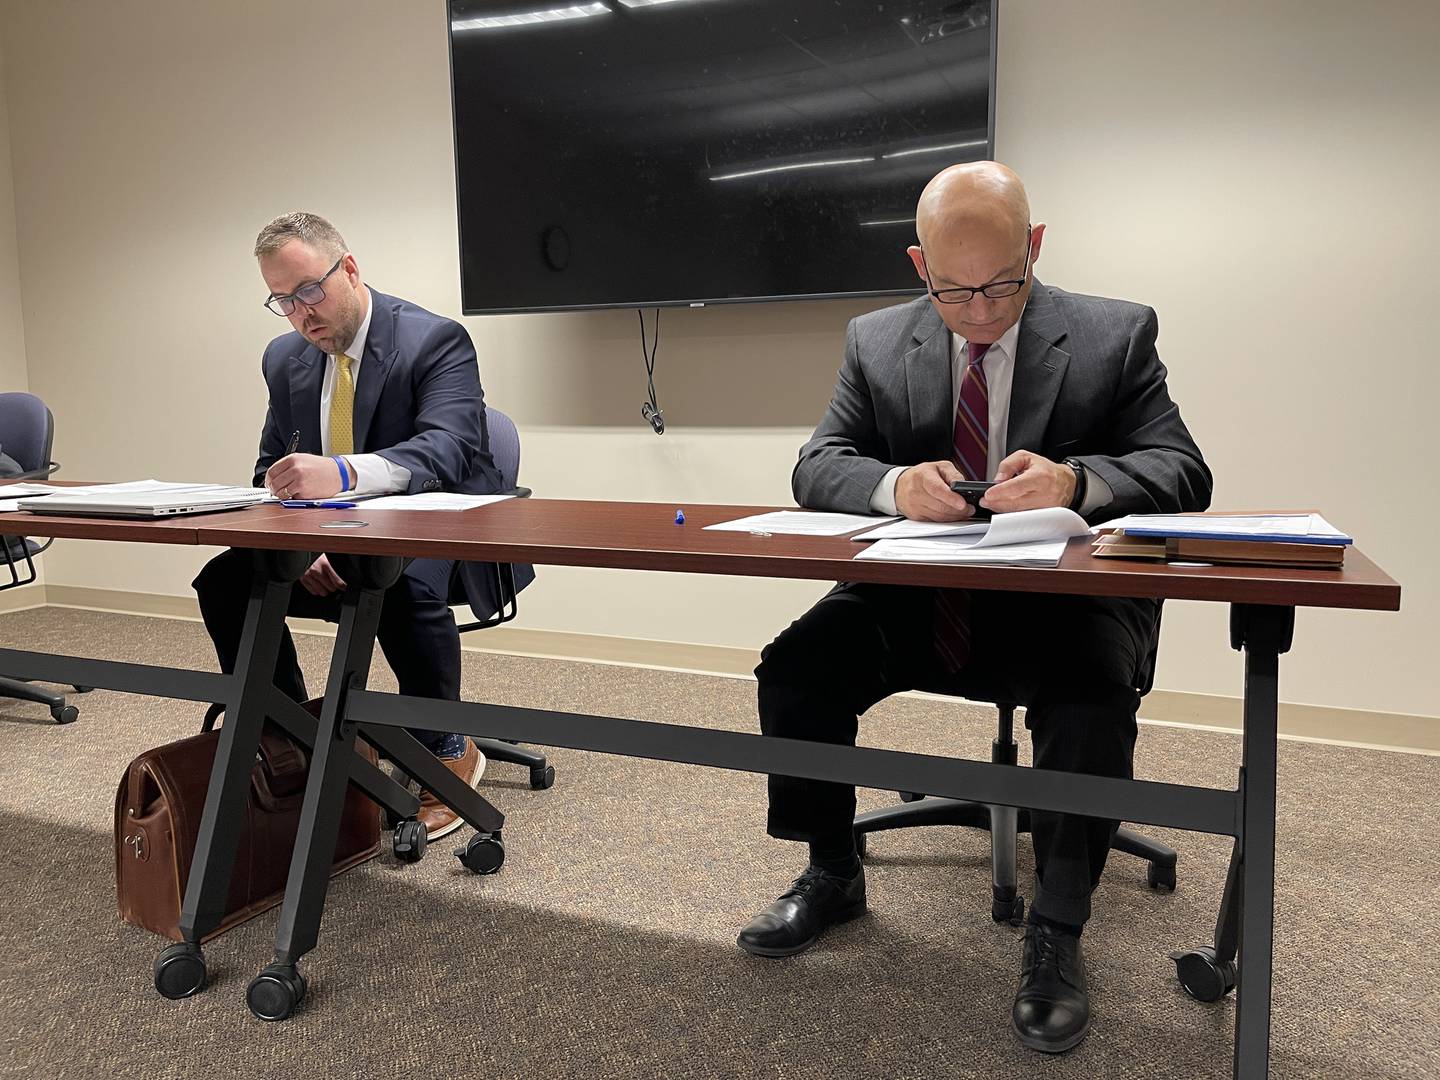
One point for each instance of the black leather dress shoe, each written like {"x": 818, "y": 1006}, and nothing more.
{"x": 1052, "y": 1009}
{"x": 791, "y": 924}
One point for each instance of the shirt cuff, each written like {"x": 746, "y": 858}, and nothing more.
{"x": 1098, "y": 492}
{"x": 882, "y": 499}
{"x": 375, "y": 475}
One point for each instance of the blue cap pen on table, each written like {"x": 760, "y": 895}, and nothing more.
{"x": 317, "y": 504}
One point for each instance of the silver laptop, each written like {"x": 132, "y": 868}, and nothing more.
{"x": 199, "y": 499}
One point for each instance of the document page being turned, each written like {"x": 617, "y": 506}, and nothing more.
{"x": 1022, "y": 538}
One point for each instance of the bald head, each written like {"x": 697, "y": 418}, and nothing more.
{"x": 973, "y": 222}
{"x": 978, "y": 196}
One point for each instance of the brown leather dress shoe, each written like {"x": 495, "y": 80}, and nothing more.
{"x": 439, "y": 820}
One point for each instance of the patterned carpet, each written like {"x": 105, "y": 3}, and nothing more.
{"x": 605, "y": 947}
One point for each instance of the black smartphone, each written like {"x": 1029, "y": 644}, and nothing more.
{"x": 971, "y": 491}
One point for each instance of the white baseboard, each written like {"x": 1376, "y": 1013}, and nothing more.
{"x": 26, "y": 596}
{"x": 1359, "y": 727}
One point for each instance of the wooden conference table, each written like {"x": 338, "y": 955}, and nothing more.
{"x": 644, "y": 536}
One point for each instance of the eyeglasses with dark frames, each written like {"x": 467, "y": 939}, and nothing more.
{"x": 309, "y": 295}
{"x": 996, "y": 290}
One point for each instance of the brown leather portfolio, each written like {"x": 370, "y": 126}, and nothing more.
{"x": 157, "y": 821}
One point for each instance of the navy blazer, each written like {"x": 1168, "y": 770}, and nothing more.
{"x": 418, "y": 403}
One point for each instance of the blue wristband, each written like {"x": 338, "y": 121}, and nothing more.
{"x": 345, "y": 484}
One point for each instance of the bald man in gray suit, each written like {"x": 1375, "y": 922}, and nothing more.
{"x": 1061, "y": 400}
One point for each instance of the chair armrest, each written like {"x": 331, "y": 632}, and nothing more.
{"x": 42, "y": 473}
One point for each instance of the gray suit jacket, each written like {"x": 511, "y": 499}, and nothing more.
{"x": 1088, "y": 385}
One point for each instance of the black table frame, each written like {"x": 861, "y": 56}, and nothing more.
{"x": 1244, "y": 928}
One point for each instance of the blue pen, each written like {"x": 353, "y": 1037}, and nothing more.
{"x": 317, "y": 504}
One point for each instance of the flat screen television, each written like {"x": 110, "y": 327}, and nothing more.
{"x": 638, "y": 153}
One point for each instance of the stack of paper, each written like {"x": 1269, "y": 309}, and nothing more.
{"x": 1023, "y": 538}
{"x": 1293, "y": 540}
{"x": 1277, "y": 528}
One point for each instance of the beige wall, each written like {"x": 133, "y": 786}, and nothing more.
{"x": 12, "y": 324}
{"x": 1261, "y": 174}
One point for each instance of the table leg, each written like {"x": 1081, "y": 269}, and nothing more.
{"x": 1264, "y": 632}
{"x": 180, "y": 969}
{"x": 278, "y": 989}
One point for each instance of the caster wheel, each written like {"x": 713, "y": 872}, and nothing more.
{"x": 275, "y": 992}
{"x": 484, "y": 854}
{"x": 542, "y": 779}
{"x": 860, "y": 843}
{"x": 1160, "y": 878}
{"x": 1010, "y": 911}
{"x": 180, "y": 971}
{"x": 1203, "y": 977}
{"x": 83, "y": 689}
{"x": 408, "y": 842}
{"x": 65, "y": 714}
{"x": 910, "y": 796}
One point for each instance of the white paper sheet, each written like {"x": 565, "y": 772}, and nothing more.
{"x": 429, "y": 500}
{"x": 799, "y": 523}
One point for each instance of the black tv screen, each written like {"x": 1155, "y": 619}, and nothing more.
{"x": 626, "y": 153}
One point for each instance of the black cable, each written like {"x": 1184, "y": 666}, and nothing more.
{"x": 650, "y": 410}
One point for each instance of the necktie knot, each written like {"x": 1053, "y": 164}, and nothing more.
{"x": 344, "y": 361}
{"x": 976, "y": 351}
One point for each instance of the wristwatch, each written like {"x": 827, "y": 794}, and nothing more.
{"x": 1082, "y": 482}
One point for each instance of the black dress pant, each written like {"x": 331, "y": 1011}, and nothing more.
{"x": 1076, "y": 663}
{"x": 416, "y": 633}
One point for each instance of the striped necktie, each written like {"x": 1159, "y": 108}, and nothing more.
{"x": 972, "y": 457}
{"x": 972, "y": 417}
{"x": 342, "y": 408}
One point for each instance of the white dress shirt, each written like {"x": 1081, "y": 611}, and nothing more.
{"x": 371, "y": 473}
{"x": 999, "y": 367}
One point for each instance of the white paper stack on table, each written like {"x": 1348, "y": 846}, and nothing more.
{"x": 1022, "y": 538}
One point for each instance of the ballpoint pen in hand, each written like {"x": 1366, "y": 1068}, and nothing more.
{"x": 294, "y": 444}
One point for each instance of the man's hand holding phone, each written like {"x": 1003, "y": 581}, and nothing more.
{"x": 923, "y": 493}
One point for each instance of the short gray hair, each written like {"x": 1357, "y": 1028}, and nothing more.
{"x": 312, "y": 229}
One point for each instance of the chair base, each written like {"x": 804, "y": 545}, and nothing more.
{"x": 542, "y": 776}
{"x": 24, "y": 691}
{"x": 1005, "y": 823}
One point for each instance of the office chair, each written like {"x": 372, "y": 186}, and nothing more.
{"x": 27, "y": 431}
{"x": 505, "y": 448}
{"x": 1005, "y": 823}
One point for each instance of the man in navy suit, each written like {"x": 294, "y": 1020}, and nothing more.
{"x": 369, "y": 395}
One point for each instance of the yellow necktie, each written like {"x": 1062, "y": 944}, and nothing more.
{"x": 342, "y": 408}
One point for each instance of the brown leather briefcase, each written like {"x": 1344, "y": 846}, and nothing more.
{"x": 157, "y": 821}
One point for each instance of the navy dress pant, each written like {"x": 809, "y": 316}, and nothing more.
{"x": 417, "y": 631}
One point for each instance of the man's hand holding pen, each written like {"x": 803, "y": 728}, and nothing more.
{"x": 304, "y": 476}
